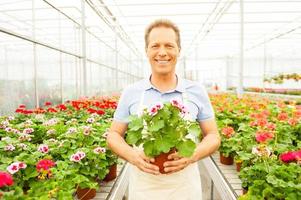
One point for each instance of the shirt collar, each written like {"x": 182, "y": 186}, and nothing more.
{"x": 180, "y": 85}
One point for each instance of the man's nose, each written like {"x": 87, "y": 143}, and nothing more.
{"x": 162, "y": 51}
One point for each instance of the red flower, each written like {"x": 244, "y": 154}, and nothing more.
{"x": 61, "y": 107}
{"x": 282, "y": 116}
{"x": 52, "y": 110}
{"x": 5, "y": 179}
{"x": 22, "y": 106}
{"x": 227, "y": 131}
{"x": 47, "y": 103}
{"x": 100, "y": 112}
{"x": 288, "y": 157}
{"x": 263, "y": 136}
{"x": 44, "y": 164}
{"x": 292, "y": 121}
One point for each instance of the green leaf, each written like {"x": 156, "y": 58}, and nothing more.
{"x": 136, "y": 123}
{"x": 157, "y": 125}
{"x": 186, "y": 148}
{"x": 162, "y": 145}
{"x": 133, "y": 137}
{"x": 194, "y": 129}
{"x": 149, "y": 148}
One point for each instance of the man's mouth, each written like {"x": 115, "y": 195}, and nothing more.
{"x": 162, "y": 61}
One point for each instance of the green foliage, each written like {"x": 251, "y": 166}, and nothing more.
{"x": 160, "y": 132}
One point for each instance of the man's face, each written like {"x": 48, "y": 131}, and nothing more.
{"x": 162, "y": 50}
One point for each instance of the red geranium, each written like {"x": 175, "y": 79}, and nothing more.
{"x": 44, "y": 164}
{"x": 5, "y": 179}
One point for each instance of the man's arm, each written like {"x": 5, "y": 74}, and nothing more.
{"x": 118, "y": 145}
{"x": 210, "y": 143}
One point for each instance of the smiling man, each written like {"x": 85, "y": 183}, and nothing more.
{"x": 182, "y": 182}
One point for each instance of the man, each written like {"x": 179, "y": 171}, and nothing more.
{"x": 162, "y": 46}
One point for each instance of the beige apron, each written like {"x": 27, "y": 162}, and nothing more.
{"x": 181, "y": 185}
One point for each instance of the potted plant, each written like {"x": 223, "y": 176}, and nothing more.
{"x": 163, "y": 129}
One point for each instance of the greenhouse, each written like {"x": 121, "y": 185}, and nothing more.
{"x": 141, "y": 100}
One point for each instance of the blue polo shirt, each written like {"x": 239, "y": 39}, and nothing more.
{"x": 198, "y": 103}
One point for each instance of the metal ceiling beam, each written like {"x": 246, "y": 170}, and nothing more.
{"x": 192, "y": 3}
{"x": 193, "y": 14}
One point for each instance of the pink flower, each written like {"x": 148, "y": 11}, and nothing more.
{"x": 43, "y": 148}
{"x": 288, "y": 157}
{"x": 78, "y": 156}
{"x": 175, "y": 102}
{"x": 14, "y": 167}
{"x": 5, "y": 179}
{"x": 21, "y": 165}
{"x": 159, "y": 105}
{"x": 98, "y": 150}
{"x": 75, "y": 158}
{"x": 153, "y": 110}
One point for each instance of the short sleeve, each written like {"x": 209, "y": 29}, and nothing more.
{"x": 122, "y": 112}
{"x": 206, "y": 110}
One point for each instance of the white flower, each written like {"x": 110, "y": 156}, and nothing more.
{"x": 52, "y": 140}
{"x": 8, "y": 129}
{"x": 105, "y": 134}
{"x": 28, "y": 130}
{"x": 71, "y": 130}
{"x": 23, "y": 146}
{"x": 50, "y": 132}
{"x": 25, "y": 137}
{"x": 87, "y": 130}
{"x": 90, "y": 120}
{"x": 13, "y": 168}
{"x": 10, "y": 118}
{"x": 9, "y": 147}
{"x": 43, "y": 148}
{"x": 51, "y": 122}
{"x": 261, "y": 151}
{"x": 16, "y": 131}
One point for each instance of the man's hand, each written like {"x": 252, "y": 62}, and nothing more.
{"x": 141, "y": 161}
{"x": 177, "y": 163}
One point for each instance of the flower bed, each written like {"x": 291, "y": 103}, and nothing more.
{"x": 265, "y": 136}
{"x": 50, "y": 151}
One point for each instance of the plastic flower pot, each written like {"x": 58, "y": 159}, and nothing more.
{"x": 238, "y": 166}
{"x": 226, "y": 160}
{"x": 160, "y": 159}
{"x": 112, "y": 173}
{"x": 85, "y": 193}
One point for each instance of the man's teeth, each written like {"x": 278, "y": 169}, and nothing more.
{"x": 162, "y": 61}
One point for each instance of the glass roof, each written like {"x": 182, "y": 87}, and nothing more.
{"x": 213, "y": 27}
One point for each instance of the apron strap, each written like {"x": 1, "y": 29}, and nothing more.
{"x": 141, "y": 101}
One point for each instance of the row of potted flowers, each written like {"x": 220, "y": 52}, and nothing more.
{"x": 264, "y": 137}
{"x": 53, "y": 151}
